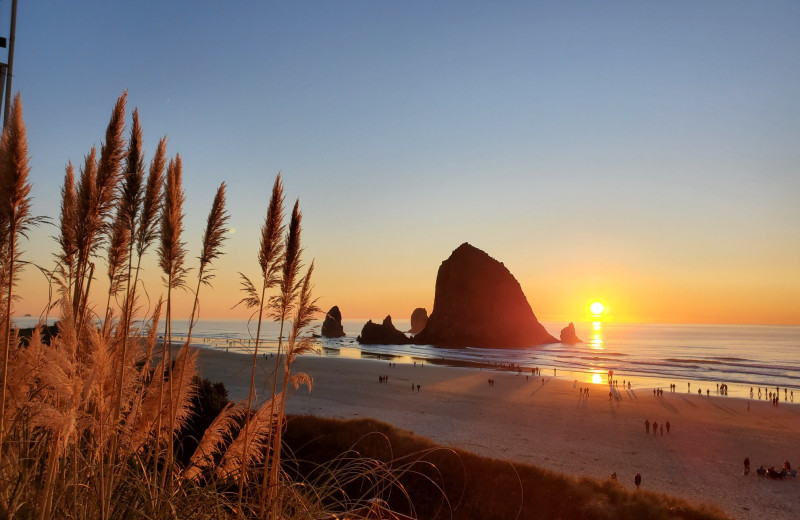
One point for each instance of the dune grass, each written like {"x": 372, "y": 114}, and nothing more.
{"x": 445, "y": 483}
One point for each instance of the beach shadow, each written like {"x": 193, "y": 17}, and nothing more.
{"x": 540, "y": 386}
{"x": 687, "y": 401}
{"x": 671, "y": 407}
{"x": 631, "y": 394}
{"x": 727, "y": 410}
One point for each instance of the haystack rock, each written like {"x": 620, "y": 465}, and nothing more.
{"x": 384, "y": 334}
{"x": 419, "y": 318}
{"x": 568, "y": 335}
{"x": 332, "y": 326}
{"x": 479, "y": 303}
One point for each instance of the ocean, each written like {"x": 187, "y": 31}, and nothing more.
{"x": 647, "y": 355}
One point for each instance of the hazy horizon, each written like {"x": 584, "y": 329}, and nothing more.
{"x": 640, "y": 155}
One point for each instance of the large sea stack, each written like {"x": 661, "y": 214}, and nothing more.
{"x": 332, "y": 326}
{"x": 479, "y": 303}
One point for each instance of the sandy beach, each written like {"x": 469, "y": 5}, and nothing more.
{"x": 546, "y": 422}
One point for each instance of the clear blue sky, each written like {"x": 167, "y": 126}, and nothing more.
{"x": 602, "y": 150}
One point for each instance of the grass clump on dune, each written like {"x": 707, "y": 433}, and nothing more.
{"x": 447, "y": 483}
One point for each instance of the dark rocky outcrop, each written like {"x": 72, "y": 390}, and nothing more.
{"x": 384, "y": 334}
{"x": 419, "y": 318}
{"x": 332, "y": 326}
{"x": 568, "y": 335}
{"x": 479, "y": 303}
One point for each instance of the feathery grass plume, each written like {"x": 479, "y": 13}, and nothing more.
{"x": 130, "y": 205}
{"x": 269, "y": 253}
{"x": 214, "y": 439}
{"x": 67, "y": 227}
{"x": 15, "y": 204}
{"x": 133, "y": 176}
{"x": 151, "y": 205}
{"x": 118, "y": 250}
{"x": 95, "y": 204}
{"x": 171, "y": 252}
{"x": 214, "y": 235}
{"x": 247, "y": 449}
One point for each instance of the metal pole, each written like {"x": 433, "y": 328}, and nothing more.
{"x": 10, "y": 60}
{"x": 3, "y": 73}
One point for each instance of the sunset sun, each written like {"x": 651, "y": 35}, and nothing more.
{"x": 597, "y": 308}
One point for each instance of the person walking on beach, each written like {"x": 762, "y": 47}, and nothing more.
{"x": 638, "y": 480}
{"x": 747, "y": 465}
{"x": 667, "y": 427}
{"x": 417, "y": 388}
{"x": 655, "y": 427}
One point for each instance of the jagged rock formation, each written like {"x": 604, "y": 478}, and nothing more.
{"x": 419, "y": 318}
{"x": 332, "y": 326}
{"x": 568, "y": 335}
{"x": 384, "y": 334}
{"x": 479, "y": 303}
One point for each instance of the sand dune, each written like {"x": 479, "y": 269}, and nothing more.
{"x": 544, "y": 421}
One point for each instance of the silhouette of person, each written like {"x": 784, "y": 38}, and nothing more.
{"x": 747, "y": 465}
{"x": 655, "y": 427}
{"x": 667, "y": 426}
{"x": 638, "y": 480}
{"x": 417, "y": 388}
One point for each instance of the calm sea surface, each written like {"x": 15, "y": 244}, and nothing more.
{"x": 743, "y": 356}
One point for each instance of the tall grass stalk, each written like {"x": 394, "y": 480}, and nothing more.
{"x": 269, "y": 258}
{"x": 67, "y": 225}
{"x": 282, "y": 306}
{"x": 306, "y": 309}
{"x": 171, "y": 253}
{"x": 15, "y": 203}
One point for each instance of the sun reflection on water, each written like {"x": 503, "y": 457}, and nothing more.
{"x": 596, "y": 340}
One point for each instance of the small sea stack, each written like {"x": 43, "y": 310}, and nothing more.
{"x": 332, "y": 326}
{"x": 383, "y": 334}
{"x": 568, "y": 335}
{"x": 419, "y": 318}
{"x": 479, "y": 303}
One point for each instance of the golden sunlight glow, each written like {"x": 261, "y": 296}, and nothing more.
{"x": 597, "y": 308}
{"x": 597, "y": 379}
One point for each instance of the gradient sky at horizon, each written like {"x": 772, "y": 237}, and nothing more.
{"x": 645, "y": 155}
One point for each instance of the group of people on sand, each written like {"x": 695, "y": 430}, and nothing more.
{"x": 771, "y": 472}
{"x": 383, "y": 379}
{"x": 776, "y": 395}
{"x": 584, "y": 392}
{"x": 491, "y": 382}
{"x": 656, "y": 427}
{"x": 412, "y": 387}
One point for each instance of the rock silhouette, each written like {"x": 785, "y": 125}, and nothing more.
{"x": 568, "y": 335}
{"x": 479, "y": 303}
{"x": 419, "y": 318}
{"x": 384, "y": 334}
{"x": 332, "y": 326}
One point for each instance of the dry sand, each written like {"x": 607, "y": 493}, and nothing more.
{"x": 545, "y": 422}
